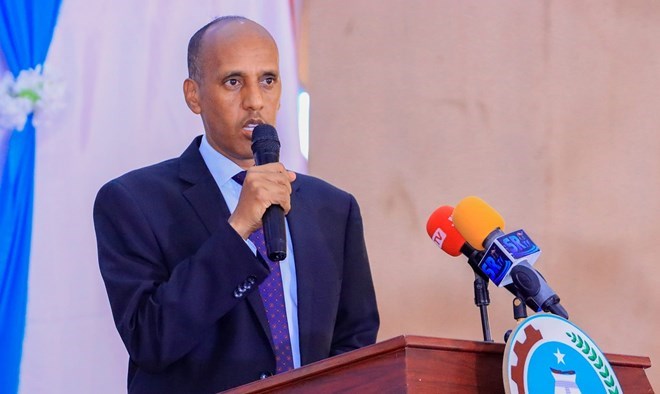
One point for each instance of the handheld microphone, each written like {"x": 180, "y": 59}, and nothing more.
{"x": 508, "y": 257}
{"x": 266, "y": 149}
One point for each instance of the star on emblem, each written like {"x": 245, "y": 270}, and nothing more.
{"x": 560, "y": 357}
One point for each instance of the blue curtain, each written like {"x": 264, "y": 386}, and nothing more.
{"x": 26, "y": 30}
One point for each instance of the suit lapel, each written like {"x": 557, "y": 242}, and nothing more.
{"x": 203, "y": 194}
{"x": 211, "y": 208}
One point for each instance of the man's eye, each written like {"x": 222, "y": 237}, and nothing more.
{"x": 232, "y": 82}
{"x": 269, "y": 81}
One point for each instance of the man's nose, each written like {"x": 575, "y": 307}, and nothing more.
{"x": 252, "y": 97}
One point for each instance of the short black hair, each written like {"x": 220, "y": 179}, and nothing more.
{"x": 195, "y": 43}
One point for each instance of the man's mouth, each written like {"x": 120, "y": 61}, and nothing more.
{"x": 251, "y": 124}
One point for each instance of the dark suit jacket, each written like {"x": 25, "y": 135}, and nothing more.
{"x": 182, "y": 283}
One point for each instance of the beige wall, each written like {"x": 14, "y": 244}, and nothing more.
{"x": 549, "y": 110}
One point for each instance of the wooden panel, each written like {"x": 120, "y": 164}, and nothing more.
{"x": 366, "y": 369}
{"x": 415, "y": 364}
{"x": 453, "y": 371}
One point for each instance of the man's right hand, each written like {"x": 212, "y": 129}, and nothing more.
{"x": 264, "y": 186}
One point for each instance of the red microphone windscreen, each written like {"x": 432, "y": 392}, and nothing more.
{"x": 442, "y": 231}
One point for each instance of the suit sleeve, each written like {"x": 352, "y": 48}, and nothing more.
{"x": 357, "y": 317}
{"x": 162, "y": 310}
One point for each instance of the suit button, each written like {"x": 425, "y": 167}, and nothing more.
{"x": 265, "y": 375}
{"x": 251, "y": 280}
{"x": 238, "y": 294}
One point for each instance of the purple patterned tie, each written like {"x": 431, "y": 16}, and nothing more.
{"x": 272, "y": 295}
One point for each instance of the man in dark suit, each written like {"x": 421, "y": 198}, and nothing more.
{"x": 185, "y": 281}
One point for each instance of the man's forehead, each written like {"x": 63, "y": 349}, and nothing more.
{"x": 238, "y": 47}
{"x": 229, "y": 32}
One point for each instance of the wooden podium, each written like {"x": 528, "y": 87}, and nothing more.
{"x": 415, "y": 364}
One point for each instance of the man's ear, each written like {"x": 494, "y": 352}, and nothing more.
{"x": 191, "y": 94}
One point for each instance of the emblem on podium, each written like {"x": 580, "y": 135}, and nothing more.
{"x": 549, "y": 354}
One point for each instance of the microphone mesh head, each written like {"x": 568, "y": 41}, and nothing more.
{"x": 264, "y": 139}
{"x": 442, "y": 231}
{"x": 475, "y": 219}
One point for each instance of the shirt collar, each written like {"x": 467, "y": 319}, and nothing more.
{"x": 220, "y": 167}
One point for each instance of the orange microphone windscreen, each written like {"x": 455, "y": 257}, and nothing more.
{"x": 475, "y": 219}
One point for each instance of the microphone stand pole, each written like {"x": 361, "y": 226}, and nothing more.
{"x": 481, "y": 295}
{"x": 482, "y": 300}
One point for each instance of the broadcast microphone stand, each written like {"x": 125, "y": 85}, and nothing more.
{"x": 519, "y": 309}
{"x": 481, "y": 296}
{"x": 482, "y": 300}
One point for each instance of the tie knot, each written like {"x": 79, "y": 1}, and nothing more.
{"x": 240, "y": 177}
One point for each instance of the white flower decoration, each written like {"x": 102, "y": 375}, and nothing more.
{"x": 32, "y": 92}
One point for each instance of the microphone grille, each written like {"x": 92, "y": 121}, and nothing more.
{"x": 264, "y": 138}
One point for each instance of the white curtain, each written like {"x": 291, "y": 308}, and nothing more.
{"x": 123, "y": 63}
